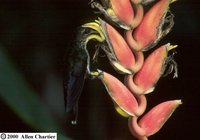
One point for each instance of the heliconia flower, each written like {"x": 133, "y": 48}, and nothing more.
{"x": 118, "y": 52}
{"x": 153, "y": 121}
{"x": 142, "y": 103}
{"x": 121, "y": 12}
{"x": 153, "y": 68}
{"x": 151, "y": 29}
{"x": 119, "y": 93}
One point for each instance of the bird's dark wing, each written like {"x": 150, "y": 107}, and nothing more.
{"x": 76, "y": 71}
{"x": 74, "y": 85}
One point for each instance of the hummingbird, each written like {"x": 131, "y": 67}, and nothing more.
{"x": 77, "y": 69}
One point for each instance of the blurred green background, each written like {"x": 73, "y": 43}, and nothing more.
{"x": 34, "y": 38}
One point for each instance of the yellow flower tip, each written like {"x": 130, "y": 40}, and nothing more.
{"x": 95, "y": 26}
{"x": 149, "y": 90}
{"x": 94, "y": 73}
{"x": 111, "y": 12}
{"x": 172, "y": 1}
{"x": 100, "y": 73}
{"x": 121, "y": 68}
{"x": 120, "y": 111}
{"x": 97, "y": 21}
{"x": 94, "y": 36}
{"x": 179, "y": 102}
{"x": 171, "y": 47}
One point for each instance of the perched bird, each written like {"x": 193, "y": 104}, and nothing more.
{"x": 77, "y": 69}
